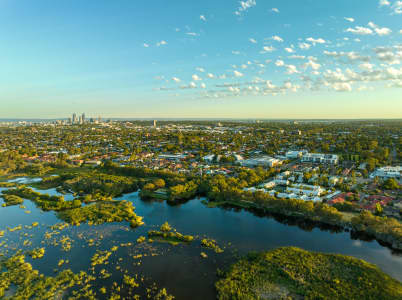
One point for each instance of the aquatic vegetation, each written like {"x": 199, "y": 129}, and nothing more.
{"x": 130, "y": 281}
{"x": 19, "y": 227}
{"x": 59, "y": 226}
{"x": 65, "y": 243}
{"x": 209, "y": 243}
{"x": 169, "y": 234}
{"x": 165, "y": 227}
{"x": 293, "y": 273}
{"x": 12, "y": 200}
{"x": 7, "y": 184}
{"x": 100, "y": 257}
{"x": 141, "y": 239}
{"x": 37, "y": 253}
{"x": 103, "y": 212}
{"x": 30, "y": 284}
{"x": 163, "y": 295}
{"x": 44, "y": 201}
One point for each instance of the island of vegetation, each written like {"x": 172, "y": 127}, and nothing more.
{"x": 170, "y": 235}
{"x": 10, "y": 200}
{"x": 212, "y": 244}
{"x": 293, "y": 273}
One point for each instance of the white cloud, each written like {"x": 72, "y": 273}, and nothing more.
{"x": 161, "y": 43}
{"x": 397, "y": 7}
{"x": 277, "y": 38}
{"x": 253, "y": 41}
{"x": 387, "y": 55}
{"x": 316, "y": 41}
{"x": 378, "y": 30}
{"x": 245, "y": 5}
{"x": 304, "y": 46}
{"x": 289, "y": 50}
{"x": 279, "y": 63}
{"x": 360, "y": 30}
{"x": 297, "y": 57}
{"x": 384, "y": 3}
{"x": 275, "y": 10}
{"x": 210, "y": 75}
{"x": 269, "y": 49}
{"x": 192, "y": 33}
{"x": 312, "y": 64}
{"x": 203, "y": 18}
{"x": 193, "y": 85}
{"x": 400, "y": 31}
{"x": 366, "y": 67}
{"x": 291, "y": 69}
{"x": 202, "y": 70}
{"x": 146, "y": 45}
{"x": 203, "y": 86}
{"x": 196, "y": 77}
{"x": 342, "y": 87}
{"x": 395, "y": 73}
{"x": 349, "y": 19}
{"x": 238, "y": 74}
{"x": 396, "y": 83}
{"x": 175, "y": 79}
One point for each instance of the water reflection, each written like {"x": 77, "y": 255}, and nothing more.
{"x": 180, "y": 268}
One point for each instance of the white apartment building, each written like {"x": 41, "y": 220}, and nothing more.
{"x": 388, "y": 172}
{"x": 320, "y": 158}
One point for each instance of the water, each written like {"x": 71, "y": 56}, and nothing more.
{"x": 180, "y": 269}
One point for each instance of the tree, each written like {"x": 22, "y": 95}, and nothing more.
{"x": 149, "y": 187}
{"x": 378, "y": 209}
{"x": 159, "y": 183}
{"x": 391, "y": 184}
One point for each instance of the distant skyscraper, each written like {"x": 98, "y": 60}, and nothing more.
{"x": 155, "y": 123}
{"x": 74, "y": 118}
{"x": 83, "y": 118}
{"x": 80, "y": 120}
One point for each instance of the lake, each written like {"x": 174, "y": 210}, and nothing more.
{"x": 180, "y": 269}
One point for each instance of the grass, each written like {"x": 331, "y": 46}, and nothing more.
{"x": 293, "y": 273}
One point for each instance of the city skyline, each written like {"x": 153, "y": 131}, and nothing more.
{"x": 233, "y": 59}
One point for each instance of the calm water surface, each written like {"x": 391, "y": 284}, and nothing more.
{"x": 179, "y": 269}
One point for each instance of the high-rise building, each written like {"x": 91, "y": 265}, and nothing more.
{"x": 74, "y": 118}
{"x": 155, "y": 123}
{"x": 83, "y": 118}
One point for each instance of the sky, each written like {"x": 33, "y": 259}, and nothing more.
{"x": 201, "y": 59}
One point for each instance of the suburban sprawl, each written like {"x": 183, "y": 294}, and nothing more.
{"x": 343, "y": 174}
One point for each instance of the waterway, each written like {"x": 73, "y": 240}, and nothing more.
{"x": 180, "y": 269}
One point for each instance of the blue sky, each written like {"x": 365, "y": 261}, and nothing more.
{"x": 211, "y": 59}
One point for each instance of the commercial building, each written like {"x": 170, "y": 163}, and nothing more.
{"x": 293, "y": 154}
{"x": 263, "y": 161}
